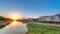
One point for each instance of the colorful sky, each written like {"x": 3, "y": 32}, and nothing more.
{"x": 29, "y": 8}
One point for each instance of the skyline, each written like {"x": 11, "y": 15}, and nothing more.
{"x": 30, "y": 8}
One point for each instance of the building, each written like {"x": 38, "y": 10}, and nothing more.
{"x": 30, "y": 19}
{"x": 55, "y": 18}
{"x": 41, "y": 18}
{"x": 45, "y": 18}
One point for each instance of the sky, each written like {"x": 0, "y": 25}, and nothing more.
{"x": 30, "y": 8}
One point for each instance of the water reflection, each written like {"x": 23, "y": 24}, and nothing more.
{"x": 15, "y": 23}
{"x": 14, "y": 27}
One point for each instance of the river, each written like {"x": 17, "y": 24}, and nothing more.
{"x": 14, "y": 27}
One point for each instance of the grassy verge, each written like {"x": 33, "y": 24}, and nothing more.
{"x": 42, "y": 29}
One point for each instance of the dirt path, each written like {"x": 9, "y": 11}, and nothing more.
{"x": 58, "y": 25}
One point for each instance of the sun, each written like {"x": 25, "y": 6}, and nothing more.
{"x": 14, "y": 16}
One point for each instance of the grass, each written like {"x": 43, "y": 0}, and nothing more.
{"x": 42, "y": 29}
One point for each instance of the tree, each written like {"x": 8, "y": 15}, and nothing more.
{"x": 2, "y": 18}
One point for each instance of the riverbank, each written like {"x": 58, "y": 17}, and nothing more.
{"x": 48, "y": 24}
{"x": 40, "y": 28}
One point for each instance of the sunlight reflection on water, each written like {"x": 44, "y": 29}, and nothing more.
{"x": 14, "y": 28}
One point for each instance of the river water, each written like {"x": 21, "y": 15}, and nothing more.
{"x": 14, "y": 27}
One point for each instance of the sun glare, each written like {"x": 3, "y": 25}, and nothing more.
{"x": 15, "y": 23}
{"x": 14, "y": 16}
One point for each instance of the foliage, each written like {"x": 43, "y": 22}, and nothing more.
{"x": 2, "y": 18}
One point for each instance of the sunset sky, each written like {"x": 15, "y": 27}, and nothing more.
{"x": 29, "y": 8}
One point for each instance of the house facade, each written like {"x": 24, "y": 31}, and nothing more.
{"x": 45, "y": 18}
{"x": 55, "y": 18}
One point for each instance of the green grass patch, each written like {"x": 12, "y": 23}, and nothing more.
{"x": 42, "y": 29}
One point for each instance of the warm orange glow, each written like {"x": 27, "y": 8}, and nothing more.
{"x": 15, "y": 23}
{"x": 15, "y": 16}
